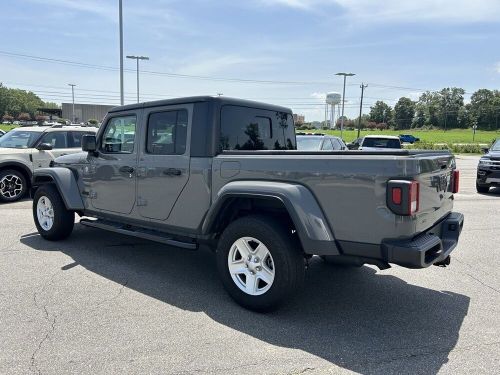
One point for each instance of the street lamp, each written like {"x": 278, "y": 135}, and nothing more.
{"x": 343, "y": 101}
{"x": 73, "y": 95}
{"x": 137, "y": 58}
{"x": 120, "y": 22}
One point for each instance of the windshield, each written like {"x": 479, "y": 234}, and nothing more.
{"x": 305, "y": 143}
{"x": 381, "y": 143}
{"x": 19, "y": 139}
{"x": 495, "y": 146}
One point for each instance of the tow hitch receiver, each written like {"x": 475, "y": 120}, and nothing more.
{"x": 443, "y": 263}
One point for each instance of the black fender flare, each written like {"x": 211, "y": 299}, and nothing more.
{"x": 309, "y": 220}
{"x": 65, "y": 182}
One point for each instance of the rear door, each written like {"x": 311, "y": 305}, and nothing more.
{"x": 163, "y": 169}
{"x": 112, "y": 175}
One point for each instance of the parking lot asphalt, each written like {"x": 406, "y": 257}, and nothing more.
{"x": 103, "y": 303}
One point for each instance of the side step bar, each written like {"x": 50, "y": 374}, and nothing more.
{"x": 146, "y": 234}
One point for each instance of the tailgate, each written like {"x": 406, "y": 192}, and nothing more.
{"x": 436, "y": 191}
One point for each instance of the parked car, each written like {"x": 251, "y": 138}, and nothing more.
{"x": 235, "y": 183}
{"x": 319, "y": 142}
{"x": 408, "y": 138}
{"x": 23, "y": 150}
{"x": 354, "y": 145}
{"x": 378, "y": 142}
{"x": 488, "y": 169}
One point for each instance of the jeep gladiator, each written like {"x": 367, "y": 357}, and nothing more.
{"x": 225, "y": 173}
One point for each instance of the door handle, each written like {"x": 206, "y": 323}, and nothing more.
{"x": 126, "y": 169}
{"x": 172, "y": 172}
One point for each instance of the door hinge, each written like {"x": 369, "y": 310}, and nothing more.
{"x": 142, "y": 202}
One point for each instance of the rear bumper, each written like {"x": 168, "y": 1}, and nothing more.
{"x": 428, "y": 248}
{"x": 431, "y": 247}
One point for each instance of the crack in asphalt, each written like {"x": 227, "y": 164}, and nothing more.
{"x": 108, "y": 300}
{"x": 33, "y": 365}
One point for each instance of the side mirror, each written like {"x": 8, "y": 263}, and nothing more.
{"x": 44, "y": 147}
{"x": 485, "y": 150}
{"x": 89, "y": 143}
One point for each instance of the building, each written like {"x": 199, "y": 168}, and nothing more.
{"x": 298, "y": 119}
{"x": 85, "y": 112}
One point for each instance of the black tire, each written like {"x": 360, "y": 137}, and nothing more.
{"x": 483, "y": 189}
{"x": 287, "y": 258}
{"x": 13, "y": 185}
{"x": 63, "y": 219}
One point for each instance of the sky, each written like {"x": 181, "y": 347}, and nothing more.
{"x": 278, "y": 51}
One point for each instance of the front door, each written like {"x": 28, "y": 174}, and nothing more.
{"x": 61, "y": 145}
{"x": 112, "y": 175}
{"x": 164, "y": 165}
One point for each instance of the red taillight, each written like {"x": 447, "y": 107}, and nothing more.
{"x": 396, "y": 195}
{"x": 414, "y": 197}
{"x": 403, "y": 197}
{"x": 456, "y": 181}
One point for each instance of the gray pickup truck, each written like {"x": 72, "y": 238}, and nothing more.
{"x": 225, "y": 173}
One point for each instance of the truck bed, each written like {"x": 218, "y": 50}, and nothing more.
{"x": 351, "y": 186}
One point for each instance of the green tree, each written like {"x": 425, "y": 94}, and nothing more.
{"x": 16, "y": 101}
{"x": 404, "y": 111}
{"x": 485, "y": 108}
{"x": 451, "y": 100}
{"x": 381, "y": 112}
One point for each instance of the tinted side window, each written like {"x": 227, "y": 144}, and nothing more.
{"x": 119, "y": 135}
{"x": 167, "y": 133}
{"x": 75, "y": 139}
{"x": 327, "y": 145}
{"x": 244, "y": 128}
{"x": 56, "y": 139}
{"x": 336, "y": 144}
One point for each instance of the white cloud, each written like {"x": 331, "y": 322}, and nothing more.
{"x": 459, "y": 11}
{"x": 209, "y": 65}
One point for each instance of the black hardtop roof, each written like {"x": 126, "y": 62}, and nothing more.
{"x": 220, "y": 100}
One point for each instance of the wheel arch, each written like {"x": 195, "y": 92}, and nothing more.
{"x": 20, "y": 167}
{"x": 65, "y": 182}
{"x": 290, "y": 202}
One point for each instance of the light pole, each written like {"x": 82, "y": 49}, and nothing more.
{"x": 73, "y": 95}
{"x": 137, "y": 58}
{"x": 122, "y": 96}
{"x": 343, "y": 101}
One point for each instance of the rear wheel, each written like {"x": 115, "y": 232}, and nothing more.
{"x": 259, "y": 263}
{"x": 13, "y": 185}
{"x": 482, "y": 188}
{"x": 53, "y": 221}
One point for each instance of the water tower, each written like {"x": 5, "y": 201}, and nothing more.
{"x": 333, "y": 99}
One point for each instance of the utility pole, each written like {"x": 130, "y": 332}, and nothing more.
{"x": 137, "y": 58}
{"x": 73, "y": 95}
{"x": 122, "y": 95}
{"x": 343, "y": 101}
{"x": 363, "y": 86}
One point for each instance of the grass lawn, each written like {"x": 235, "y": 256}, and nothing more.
{"x": 431, "y": 136}
{"x": 6, "y": 127}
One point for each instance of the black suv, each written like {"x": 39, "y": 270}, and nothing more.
{"x": 488, "y": 170}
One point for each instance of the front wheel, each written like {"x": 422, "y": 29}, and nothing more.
{"x": 259, "y": 263}
{"x": 53, "y": 221}
{"x": 482, "y": 189}
{"x": 13, "y": 185}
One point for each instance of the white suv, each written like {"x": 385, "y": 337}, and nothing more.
{"x": 22, "y": 150}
